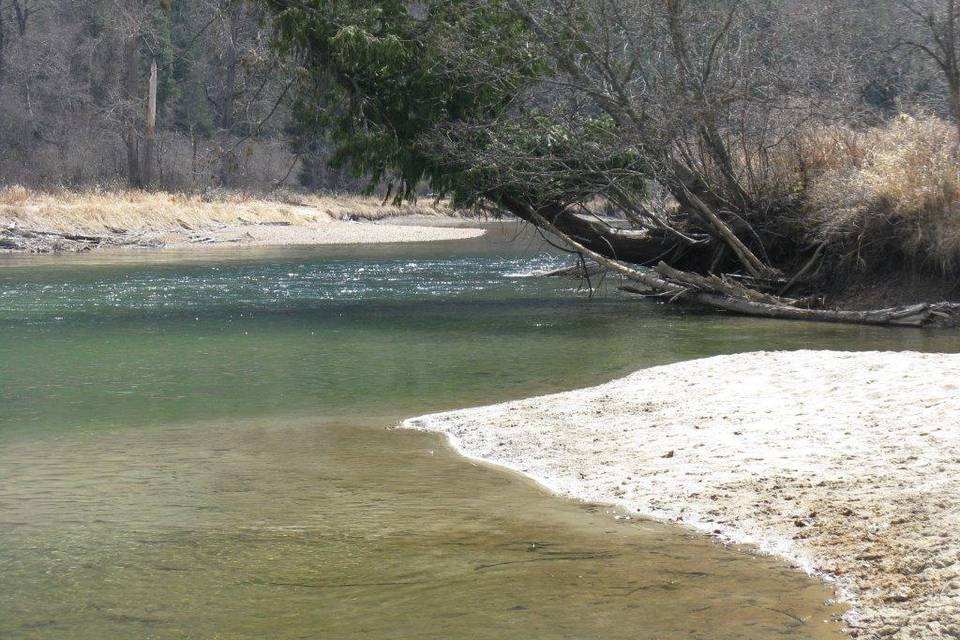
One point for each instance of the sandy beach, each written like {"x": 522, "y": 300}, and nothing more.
{"x": 845, "y": 464}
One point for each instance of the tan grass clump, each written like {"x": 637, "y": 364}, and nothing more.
{"x": 14, "y": 195}
{"x": 894, "y": 188}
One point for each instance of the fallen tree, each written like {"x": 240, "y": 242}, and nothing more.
{"x": 720, "y": 293}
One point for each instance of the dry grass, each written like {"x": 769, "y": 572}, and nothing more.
{"x": 888, "y": 189}
{"x": 96, "y": 212}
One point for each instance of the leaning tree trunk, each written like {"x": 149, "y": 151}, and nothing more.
{"x": 632, "y": 246}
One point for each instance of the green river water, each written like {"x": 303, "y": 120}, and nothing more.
{"x": 194, "y": 446}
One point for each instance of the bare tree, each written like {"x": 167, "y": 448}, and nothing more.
{"x": 230, "y": 27}
{"x": 938, "y": 23}
{"x": 3, "y": 44}
{"x": 129, "y": 25}
{"x": 704, "y": 106}
{"x": 705, "y": 101}
{"x": 21, "y": 9}
{"x": 21, "y": 14}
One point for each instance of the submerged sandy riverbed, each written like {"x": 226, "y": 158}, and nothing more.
{"x": 847, "y": 464}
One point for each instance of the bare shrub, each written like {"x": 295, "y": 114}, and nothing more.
{"x": 890, "y": 188}
{"x": 13, "y": 195}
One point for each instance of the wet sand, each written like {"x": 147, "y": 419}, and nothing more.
{"x": 847, "y": 464}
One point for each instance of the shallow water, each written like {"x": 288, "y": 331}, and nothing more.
{"x": 196, "y": 448}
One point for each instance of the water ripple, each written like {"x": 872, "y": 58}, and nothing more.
{"x": 280, "y": 285}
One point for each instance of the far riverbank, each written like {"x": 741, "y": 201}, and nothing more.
{"x": 847, "y": 464}
{"x": 34, "y": 222}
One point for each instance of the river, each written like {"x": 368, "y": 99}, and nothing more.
{"x": 195, "y": 445}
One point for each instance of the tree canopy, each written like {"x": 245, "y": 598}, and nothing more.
{"x": 380, "y": 79}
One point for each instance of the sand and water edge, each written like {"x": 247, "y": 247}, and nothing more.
{"x": 845, "y": 464}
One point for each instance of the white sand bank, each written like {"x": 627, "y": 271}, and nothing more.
{"x": 847, "y": 464}
{"x": 317, "y": 233}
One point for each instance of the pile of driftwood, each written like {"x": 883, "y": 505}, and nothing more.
{"x": 730, "y": 292}
{"x": 16, "y": 238}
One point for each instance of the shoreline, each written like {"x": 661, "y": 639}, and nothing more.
{"x": 38, "y": 223}
{"x": 335, "y": 232}
{"x": 845, "y": 464}
{"x": 244, "y": 236}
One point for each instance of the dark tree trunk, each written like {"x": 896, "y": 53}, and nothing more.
{"x": 131, "y": 63}
{"x": 3, "y": 44}
{"x": 23, "y": 13}
{"x": 229, "y": 96}
{"x": 955, "y": 102}
{"x": 626, "y": 245}
{"x": 150, "y": 127}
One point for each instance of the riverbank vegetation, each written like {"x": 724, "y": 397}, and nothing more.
{"x": 770, "y": 158}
